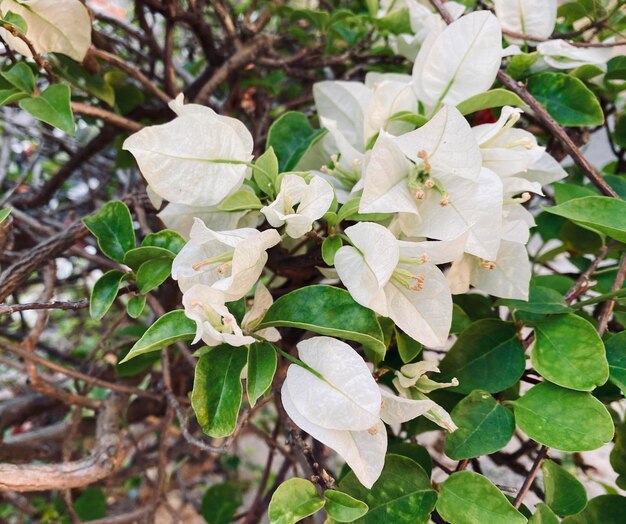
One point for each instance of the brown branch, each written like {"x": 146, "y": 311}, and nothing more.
{"x": 41, "y": 62}
{"x": 10, "y": 309}
{"x": 580, "y": 285}
{"x": 607, "y": 307}
{"x": 530, "y": 478}
{"x": 106, "y": 116}
{"x": 522, "y": 36}
{"x": 106, "y": 459}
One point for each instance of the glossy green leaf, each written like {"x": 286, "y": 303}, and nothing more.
{"x": 402, "y": 494}
{"x": 4, "y": 213}
{"x": 153, "y": 273}
{"x": 136, "y": 305}
{"x": 605, "y": 509}
{"x": 170, "y": 328}
{"x": 487, "y": 355}
{"x": 603, "y": 214}
{"x": 329, "y": 311}
{"x": 165, "y": 239}
{"x": 265, "y": 172}
{"x": 484, "y": 427}
{"x": 543, "y": 515}
{"x": 569, "y": 352}
{"x": 294, "y": 500}
{"x": 52, "y": 106}
{"x": 113, "y": 228}
{"x": 616, "y": 357}
{"x": 135, "y": 257}
{"x": 567, "y": 99}
{"x": 616, "y": 68}
{"x": 22, "y": 77}
{"x": 291, "y": 135}
{"x": 261, "y": 368}
{"x": 564, "y": 192}
{"x": 341, "y": 507}
{"x": 242, "y": 200}
{"x": 494, "y": 98}
{"x": 564, "y": 494}
{"x": 413, "y": 451}
{"x": 220, "y": 502}
{"x": 407, "y": 347}
{"x": 460, "y": 320}
{"x": 330, "y": 246}
{"x": 541, "y": 300}
{"x": 15, "y": 20}
{"x": 469, "y": 498}
{"x": 563, "y": 419}
{"x": 104, "y": 292}
{"x": 217, "y": 389}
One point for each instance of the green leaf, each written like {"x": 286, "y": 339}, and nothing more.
{"x": 569, "y": 352}
{"x": 616, "y": 68}
{"x": 564, "y": 192}
{"x": 291, "y": 136}
{"x": 402, "y": 494}
{"x": 616, "y": 357}
{"x": 605, "y": 509}
{"x": 113, "y": 228}
{"x": 77, "y": 75}
{"x": 541, "y": 300}
{"x": 22, "y": 77}
{"x": 165, "y": 239}
{"x": 567, "y": 99}
{"x": 330, "y": 246}
{"x": 603, "y": 214}
{"x": 52, "y": 106}
{"x": 261, "y": 369}
{"x": 415, "y": 452}
{"x": 91, "y": 505}
{"x": 487, "y": 355}
{"x": 407, "y": 116}
{"x": 484, "y": 427}
{"x": 460, "y": 320}
{"x": 520, "y": 65}
{"x": 564, "y": 494}
{"x": 135, "y": 257}
{"x": 242, "y": 200}
{"x": 407, "y": 347}
{"x": 104, "y": 292}
{"x": 136, "y": 305}
{"x": 220, "y": 502}
{"x": 4, "y": 213}
{"x": 294, "y": 500}
{"x": 563, "y": 419}
{"x": 341, "y": 507}
{"x": 265, "y": 172}
{"x": 494, "y": 98}
{"x": 153, "y": 273}
{"x": 618, "y": 453}
{"x": 329, "y": 311}
{"x": 217, "y": 389}
{"x": 397, "y": 22}
{"x": 543, "y": 515}
{"x": 8, "y": 96}
{"x": 468, "y": 498}
{"x": 16, "y": 21}
{"x": 170, "y": 328}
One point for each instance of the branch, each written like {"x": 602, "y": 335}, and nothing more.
{"x": 78, "y": 304}
{"x": 106, "y": 116}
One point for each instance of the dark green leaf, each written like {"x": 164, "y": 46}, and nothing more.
{"x": 329, "y": 311}
{"x": 220, "y": 502}
{"x": 91, "y": 504}
{"x": 261, "y": 369}
{"x": 563, "y": 419}
{"x": 52, "y": 106}
{"x": 166, "y": 239}
{"x": 136, "y": 306}
{"x": 170, "y": 328}
{"x": 22, "y": 77}
{"x": 80, "y": 77}
{"x": 113, "y": 228}
{"x": 104, "y": 292}
{"x": 541, "y": 300}
{"x": 135, "y": 257}
{"x": 330, "y": 246}
{"x": 415, "y": 452}
{"x": 618, "y": 453}
{"x": 564, "y": 494}
{"x": 605, "y": 509}
{"x": 217, "y": 390}
{"x": 153, "y": 273}
{"x": 494, "y": 98}
{"x": 616, "y": 356}
{"x": 460, "y": 320}
{"x": 487, "y": 355}
{"x": 341, "y": 507}
{"x": 294, "y": 500}
{"x": 616, "y": 68}
{"x": 484, "y": 427}
{"x": 567, "y": 99}
{"x": 407, "y": 347}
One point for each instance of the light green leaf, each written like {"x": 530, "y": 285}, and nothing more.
{"x": 294, "y": 500}
{"x": 330, "y": 246}
{"x": 605, "y": 509}
{"x": 16, "y": 21}
{"x": 265, "y": 172}
{"x": 569, "y": 352}
{"x": 8, "y": 96}
{"x": 484, "y": 427}
{"x": 153, "y": 273}
{"x": 341, "y": 507}
{"x": 217, "y": 389}
{"x": 541, "y": 300}
{"x": 261, "y": 369}
{"x": 407, "y": 347}
{"x": 4, "y": 213}
{"x": 494, "y": 98}
{"x": 52, "y": 106}
{"x": 487, "y": 355}
{"x": 567, "y": 99}
{"x": 170, "y": 328}
{"x": 220, "y": 502}
{"x": 104, "y": 292}
{"x": 602, "y": 214}
{"x": 564, "y": 494}
{"x": 328, "y": 311}
{"x": 563, "y": 419}
{"x": 136, "y": 305}
{"x": 616, "y": 357}
{"x": 135, "y": 257}
{"x": 402, "y": 494}
{"x": 241, "y": 201}
{"x": 22, "y": 77}
{"x": 543, "y": 515}
{"x": 412, "y": 118}
{"x": 113, "y": 228}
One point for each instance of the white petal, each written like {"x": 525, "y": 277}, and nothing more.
{"x": 516, "y": 224}
{"x": 530, "y": 17}
{"x": 511, "y": 276}
{"x": 262, "y": 301}
{"x": 180, "y": 217}
{"x": 317, "y": 198}
{"x": 363, "y": 451}
{"x": 546, "y": 170}
{"x": 389, "y": 98}
{"x": 347, "y": 397}
{"x": 436, "y": 252}
{"x": 563, "y": 55}
{"x": 458, "y": 276}
{"x": 397, "y": 410}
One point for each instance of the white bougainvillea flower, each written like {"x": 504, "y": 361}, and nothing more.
{"x": 53, "y": 26}
{"x": 215, "y": 325}
{"x": 459, "y": 62}
{"x": 337, "y": 401}
{"x": 262, "y": 302}
{"x": 395, "y": 279}
{"x": 181, "y": 160}
{"x": 507, "y": 276}
{"x": 229, "y": 261}
{"x": 299, "y": 204}
{"x": 534, "y": 18}
{"x": 563, "y": 55}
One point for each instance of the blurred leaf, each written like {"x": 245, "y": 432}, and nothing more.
{"x": 220, "y": 502}
{"x": 564, "y": 494}
{"x": 91, "y": 504}
{"x": 294, "y": 500}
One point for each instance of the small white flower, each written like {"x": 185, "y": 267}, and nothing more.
{"x": 299, "y": 204}
{"x": 229, "y": 261}
{"x": 215, "y": 325}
